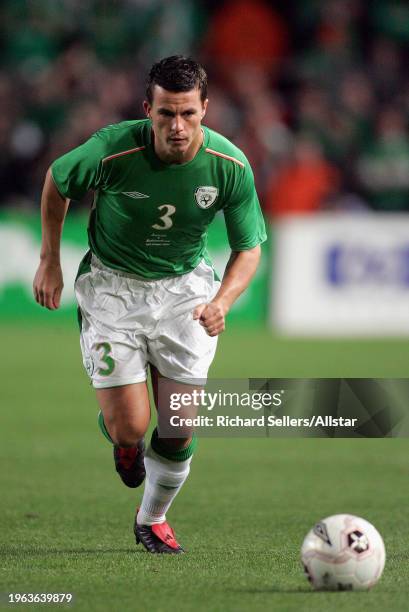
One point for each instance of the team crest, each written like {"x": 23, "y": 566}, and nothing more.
{"x": 89, "y": 365}
{"x": 206, "y": 196}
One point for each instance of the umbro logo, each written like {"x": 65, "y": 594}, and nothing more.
{"x": 135, "y": 195}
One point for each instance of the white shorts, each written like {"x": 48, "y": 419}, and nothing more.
{"x": 128, "y": 322}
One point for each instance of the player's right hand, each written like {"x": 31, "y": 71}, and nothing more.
{"x": 48, "y": 285}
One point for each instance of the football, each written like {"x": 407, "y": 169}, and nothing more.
{"x": 343, "y": 553}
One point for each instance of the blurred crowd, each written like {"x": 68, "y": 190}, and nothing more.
{"x": 314, "y": 91}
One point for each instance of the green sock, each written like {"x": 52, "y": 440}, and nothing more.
{"x": 102, "y": 427}
{"x": 181, "y": 455}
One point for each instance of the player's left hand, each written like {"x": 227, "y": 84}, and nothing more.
{"x": 211, "y": 317}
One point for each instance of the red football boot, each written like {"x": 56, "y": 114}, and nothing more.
{"x": 129, "y": 464}
{"x": 157, "y": 538}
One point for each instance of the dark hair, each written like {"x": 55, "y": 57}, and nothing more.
{"x": 177, "y": 73}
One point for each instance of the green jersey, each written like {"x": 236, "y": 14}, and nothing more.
{"x": 151, "y": 218}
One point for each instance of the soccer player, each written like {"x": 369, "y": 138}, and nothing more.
{"x": 146, "y": 290}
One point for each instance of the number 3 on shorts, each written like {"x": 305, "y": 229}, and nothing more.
{"x": 106, "y": 358}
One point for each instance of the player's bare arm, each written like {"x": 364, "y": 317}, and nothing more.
{"x": 48, "y": 281}
{"x": 240, "y": 269}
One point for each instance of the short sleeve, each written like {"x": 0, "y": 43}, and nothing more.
{"x": 244, "y": 219}
{"x": 80, "y": 170}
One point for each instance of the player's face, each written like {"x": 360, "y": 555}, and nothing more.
{"x": 176, "y": 119}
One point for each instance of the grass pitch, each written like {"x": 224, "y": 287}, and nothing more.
{"x": 66, "y": 520}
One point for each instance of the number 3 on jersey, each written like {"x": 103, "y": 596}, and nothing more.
{"x": 166, "y": 218}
